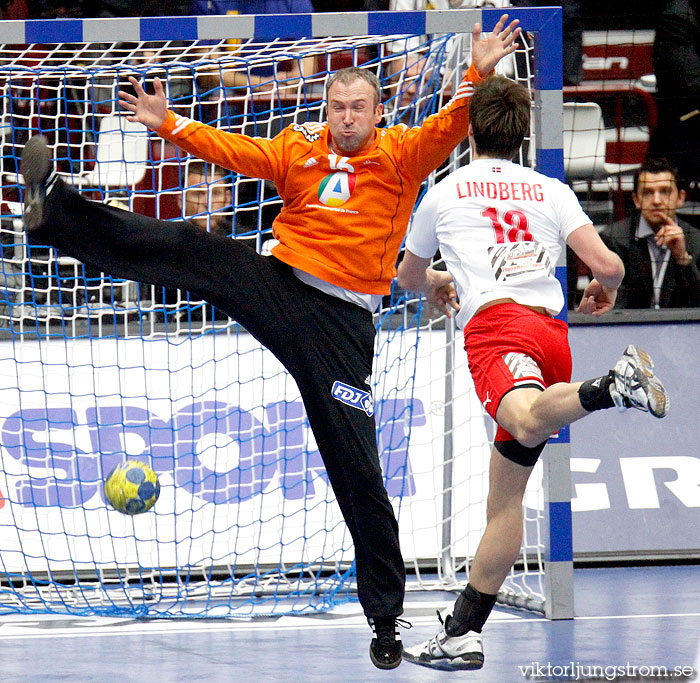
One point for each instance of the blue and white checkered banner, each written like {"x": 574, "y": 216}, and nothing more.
{"x": 269, "y": 26}
{"x": 543, "y": 20}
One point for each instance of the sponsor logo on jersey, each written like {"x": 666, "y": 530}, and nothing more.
{"x": 311, "y": 131}
{"x": 335, "y": 189}
{"x": 355, "y": 398}
{"x": 311, "y": 162}
{"x": 519, "y": 260}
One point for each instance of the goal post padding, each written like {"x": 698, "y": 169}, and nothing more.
{"x": 94, "y": 370}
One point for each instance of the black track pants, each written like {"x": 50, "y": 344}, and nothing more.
{"x": 319, "y": 339}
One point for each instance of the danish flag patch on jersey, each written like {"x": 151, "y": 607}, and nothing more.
{"x": 355, "y": 398}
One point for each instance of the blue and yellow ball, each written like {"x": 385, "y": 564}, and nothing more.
{"x": 132, "y": 487}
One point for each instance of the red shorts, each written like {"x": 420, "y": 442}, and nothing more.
{"x": 509, "y": 347}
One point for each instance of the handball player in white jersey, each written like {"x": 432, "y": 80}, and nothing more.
{"x": 500, "y": 229}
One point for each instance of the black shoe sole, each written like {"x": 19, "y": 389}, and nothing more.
{"x": 386, "y": 665}
{"x": 35, "y": 167}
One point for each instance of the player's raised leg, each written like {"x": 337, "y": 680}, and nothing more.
{"x": 141, "y": 248}
{"x": 532, "y": 416}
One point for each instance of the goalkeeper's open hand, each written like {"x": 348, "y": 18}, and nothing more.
{"x": 150, "y": 110}
{"x": 488, "y": 49}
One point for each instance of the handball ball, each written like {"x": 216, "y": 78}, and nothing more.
{"x": 132, "y": 488}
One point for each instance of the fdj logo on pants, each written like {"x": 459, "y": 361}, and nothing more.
{"x": 355, "y": 398}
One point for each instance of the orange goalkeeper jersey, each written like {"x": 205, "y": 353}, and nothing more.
{"x": 343, "y": 218}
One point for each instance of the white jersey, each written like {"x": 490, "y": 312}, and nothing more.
{"x": 500, "y": 229}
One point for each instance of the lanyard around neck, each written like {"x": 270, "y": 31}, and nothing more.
{"x": 658, "y": 271}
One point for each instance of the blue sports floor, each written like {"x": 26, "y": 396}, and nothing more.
{"x": 626, "y": 618}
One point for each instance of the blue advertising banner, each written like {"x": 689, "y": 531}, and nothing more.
{"x": 636, "y": 479}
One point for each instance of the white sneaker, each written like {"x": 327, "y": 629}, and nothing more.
{"x": 448, "y": 653}
{"x": 636, "y": 385}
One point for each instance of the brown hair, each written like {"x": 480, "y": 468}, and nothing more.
{"x": 210, "y": 172}
{"x": 351, "y": 73}
{"x": 499, "y": 113}
{"x": 657, "y": 165}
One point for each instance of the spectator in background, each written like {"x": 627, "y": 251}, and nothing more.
{"x": 206, "y": 201}
{"x": 290, "y": 70}
{"x": 13, "y": 9}
{"x": 206, "y": 198}
{"x": 661, "y": 253}
{"x": 233, "y": 82}
{"x": 677, "y": 69}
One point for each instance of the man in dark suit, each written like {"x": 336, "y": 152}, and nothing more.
{"x": 661, "y": 253}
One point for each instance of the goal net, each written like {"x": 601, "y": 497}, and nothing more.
{"x": 96, "y": 370}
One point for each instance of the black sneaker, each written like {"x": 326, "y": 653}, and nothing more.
{"x": 36, "y": 168}
{"x": 386, "y": 648}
